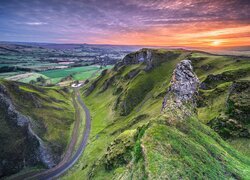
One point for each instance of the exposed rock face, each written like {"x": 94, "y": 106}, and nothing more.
{"x": 107, "y": 83}
{"x": 150, "y": 57}
{"x": 183, "y": 88}
{"x": 94, "y": 84}
{"x": 144, "y": 55}
{"x": 31, "y": 147}
{"x": 131, "y": 74}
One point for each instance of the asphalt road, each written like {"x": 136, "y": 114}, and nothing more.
{"x": 63, "y": 167}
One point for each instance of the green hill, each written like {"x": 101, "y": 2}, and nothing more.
{"x": 132, "y": 139}
{"x": 35, "y": 125}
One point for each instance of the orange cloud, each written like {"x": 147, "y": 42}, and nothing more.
{"x": 207, "y": 35}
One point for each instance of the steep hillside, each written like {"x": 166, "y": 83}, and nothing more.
{"x": 223, "y": 101}
{"x": 132, "y": 138}
{"x": 35, "y": 126}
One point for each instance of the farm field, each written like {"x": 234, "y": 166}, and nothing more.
{"x": 55, "y": 76}
{"x": 78, "y": 73}
{"x": 26, "y": 77}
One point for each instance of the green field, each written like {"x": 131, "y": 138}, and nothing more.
{"x": 78, "y": 73}
{"x": 55, "y": 76}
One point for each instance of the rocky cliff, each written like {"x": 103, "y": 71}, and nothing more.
{"x": 31, "y": 148}
{"x": 183, "y": 89}
{"x": 150, "y": 57}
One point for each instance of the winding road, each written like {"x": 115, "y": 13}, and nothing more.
{"x": 68, "y": 162}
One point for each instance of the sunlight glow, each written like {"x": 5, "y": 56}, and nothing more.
{"x": 216, "y": 43}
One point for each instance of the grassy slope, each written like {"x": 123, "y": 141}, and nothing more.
{"x": 216, "y": 97}
{"x": 190, "y": 150}
{"x": 107, "y": 123}
{"x": 51, "y": 110}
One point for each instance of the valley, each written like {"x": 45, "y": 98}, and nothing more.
{"x": 169, "y": 113}
{"x": 25, "y": 62}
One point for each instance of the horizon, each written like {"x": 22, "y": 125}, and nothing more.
{"x": 190, "y": 24}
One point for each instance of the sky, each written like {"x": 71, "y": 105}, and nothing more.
{"x": 190, "y": 23}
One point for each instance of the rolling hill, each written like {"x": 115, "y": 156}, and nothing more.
{"x": 132, "y": 138}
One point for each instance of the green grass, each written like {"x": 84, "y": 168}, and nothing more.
{"x": 78, "y": 73}
{"x": 191, "y": 150}
{"x": 241, "y": 144}
{"x": 215, "y": 101}
{"x": 33, "y": 77}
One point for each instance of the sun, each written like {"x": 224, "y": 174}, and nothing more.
{"x": 215, "y": 43}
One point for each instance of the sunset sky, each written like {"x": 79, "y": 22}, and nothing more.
{"x": 191, "y": 23}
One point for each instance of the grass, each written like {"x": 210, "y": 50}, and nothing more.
{"x": 34, "y": 76}
{"x": 241, "y": 144}
{"x": 215, "y": 101}
{"x": 191, "y": 150}
{"x": 78, "y": 73}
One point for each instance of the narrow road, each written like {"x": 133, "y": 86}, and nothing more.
{"x": 64, "y": 165}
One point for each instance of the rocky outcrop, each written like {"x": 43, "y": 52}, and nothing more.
{"x": 107, "y": 83}
{"x": 145, "y": 55}
{"x": 151, "y": 57}
{"x": 183, "y": 89}
{"x": 228, "y": 127}
{"x": 235, "y": 121}
{"x": 131, "y": 74}
{"x": 31, "y": 149}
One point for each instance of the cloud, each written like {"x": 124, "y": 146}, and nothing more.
{"x": 35, "y": 23}
{"x": 162, "y": 22}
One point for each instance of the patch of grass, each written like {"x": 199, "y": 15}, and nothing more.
{"x": 78, "y": 73}
{"x": 191, "y": 151}
{"x": 241, "y": 144}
